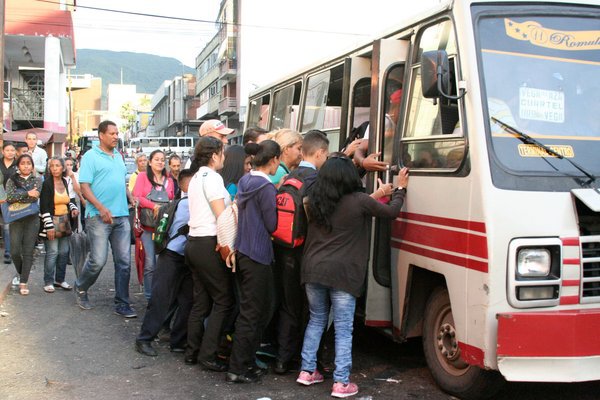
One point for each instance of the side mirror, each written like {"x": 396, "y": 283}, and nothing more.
{"x": 435, "y": 73}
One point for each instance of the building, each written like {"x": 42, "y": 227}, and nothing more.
{"x": 175, "y": 108}
{"x": 86, "y": 100}
{"x": 39, "y": 49}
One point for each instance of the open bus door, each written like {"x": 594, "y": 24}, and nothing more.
{"x": 387, "y": 76}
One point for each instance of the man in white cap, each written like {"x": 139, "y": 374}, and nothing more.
{"x": 216, "y": 129}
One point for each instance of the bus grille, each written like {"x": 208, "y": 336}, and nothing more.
{"x": 590, "y": 269}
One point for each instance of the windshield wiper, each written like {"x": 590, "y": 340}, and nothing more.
{"x": 525, "y": 138}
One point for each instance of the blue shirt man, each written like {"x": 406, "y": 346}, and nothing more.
{"x": 102, "y": 179}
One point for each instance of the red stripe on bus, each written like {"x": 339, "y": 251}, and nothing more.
{"x": 443, "y": 239}
{"x": 471, "y": 355}
{"x": 570, "y": 282}
{"x": 565, "y": 333}
{"x": 570, "y": 241}
{"x": 450, "y": 222}
{"x": 456, "y": 260}
{"x": 571, "y": 261}
{"x": 378, "y": 324}
{"x": 568, "y": 300}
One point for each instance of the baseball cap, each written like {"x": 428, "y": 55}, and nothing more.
{"x": 214, "y": 125}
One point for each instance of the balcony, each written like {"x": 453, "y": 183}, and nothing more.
{"x": 27, "y": 105}
{"x": 228, "y": 106}
{"x": 228, "y": 69}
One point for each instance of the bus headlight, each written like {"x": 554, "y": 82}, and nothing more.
{"x": 533, "y": 263}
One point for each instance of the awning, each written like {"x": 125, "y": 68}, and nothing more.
{"x": 42, "y": 134}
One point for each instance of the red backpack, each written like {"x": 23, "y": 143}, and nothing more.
{"x": 292, "y": 223}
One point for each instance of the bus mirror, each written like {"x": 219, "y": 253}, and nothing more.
{"x": 435, "y": 74}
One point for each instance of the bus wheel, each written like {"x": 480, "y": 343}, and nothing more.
{"x": 440, "y": 345}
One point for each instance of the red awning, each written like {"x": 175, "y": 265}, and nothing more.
{"x": 42, "y": 134}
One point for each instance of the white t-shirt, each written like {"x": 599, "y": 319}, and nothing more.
{"x": 205, "y": 186}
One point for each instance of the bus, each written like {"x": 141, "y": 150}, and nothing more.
{"x": 494, "y": 260}
{"x": 181, "y": 145}
{"x": 90, "y": 138}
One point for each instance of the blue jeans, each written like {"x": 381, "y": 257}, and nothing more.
{"x": 149, "y": 263}
{"x": 55, "y": 261}
{"x": 320, "y": 299}
{"x": 6, "y": 236}
{"x": 99, "y": 235}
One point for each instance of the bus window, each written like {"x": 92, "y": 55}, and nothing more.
{"x": 163, "y": 142}
{"x": 173, "y": 142}
{"x": 393, "y": 96}
{"x": 323, "y": 105}
{"x": 259, "y": 112}
{"x": 361, "y": 102}
{"x": 285, "y": 107}
{"x": 433, "y": 118}
{"x": 187, "y": 142}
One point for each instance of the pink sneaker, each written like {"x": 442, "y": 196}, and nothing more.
{"x": 341, "y": 390}
{"x": 307, "y": 379}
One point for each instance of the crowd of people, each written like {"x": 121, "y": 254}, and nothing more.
{"x": 216, "y": 316}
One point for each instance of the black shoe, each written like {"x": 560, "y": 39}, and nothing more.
{"x": 248, "y": 377}
{"x": 190, "y": 359}
{"x": 214, "y": 365}
{"x": 145, "y": 348}
{"x": 177, "y": 349}
{"x": 281, "y": 367}
{"x": 124, "y": 310}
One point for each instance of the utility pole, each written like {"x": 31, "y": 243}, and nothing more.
{"x": 3, "y": 13}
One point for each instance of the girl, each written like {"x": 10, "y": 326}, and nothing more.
{"x": 8, "y": 167}
{"x": 237, "y": 164}
{"x": 256, "y": 221}
{"x": 153, "y": 188}
{"x": 213, "y": 291}
{"x": 290, "y": 143}
{"x": 56, "y": 201}
{"x": 23, "y": 187}
{"x": 335, "y": 260}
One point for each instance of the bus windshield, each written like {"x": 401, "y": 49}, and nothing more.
{"x": 541, "y": 76}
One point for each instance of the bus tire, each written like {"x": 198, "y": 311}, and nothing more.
{"x": 452, "y": 374}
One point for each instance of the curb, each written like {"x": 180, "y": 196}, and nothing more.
{"x": 6, "y": 276}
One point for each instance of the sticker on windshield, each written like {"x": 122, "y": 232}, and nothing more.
{"x": 531, "y": 150}
{"x": 541, "y": 105}
{"x": 537, "y": 35}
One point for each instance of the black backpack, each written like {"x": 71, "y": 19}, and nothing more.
{"x": 170, "y": 210}
{"x": 292, "y": 223}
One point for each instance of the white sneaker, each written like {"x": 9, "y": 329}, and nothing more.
{"x": 16, "y": 280}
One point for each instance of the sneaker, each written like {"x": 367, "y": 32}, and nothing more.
{"x": 342, "y": 390}
{"x": 307, "y": 378}
{"x": 82, "y": 300}
{"x": 125, "y": 311}
{"x": 16, "y": 280}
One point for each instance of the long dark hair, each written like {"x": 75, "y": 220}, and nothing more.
{"x": 263, "y": 152}
{"x": 204, "y": 150}
{"x": 337, "y": 178}
{"x": 149, "y": 171}
{"x": 234, "y": 166}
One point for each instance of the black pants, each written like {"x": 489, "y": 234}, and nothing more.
{"x": 23, "y": 235}
{"x": 291, "y": 297}
{"x": 172, "y": 284}
{"x": 253, "y": 279}
{"x": 213, "y": 295}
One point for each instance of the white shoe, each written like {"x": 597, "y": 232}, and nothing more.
{"x": 16, "y": 280}
{"x": 63, "y": 285}
{"x": 49, "y": 288}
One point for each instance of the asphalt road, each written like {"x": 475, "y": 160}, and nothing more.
{"x": 50, "y": 349}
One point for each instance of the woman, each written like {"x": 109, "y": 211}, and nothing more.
{"x": 237, "y": 164}
{"x": 23, "y": 187}
{"x": 256, "y": 221}
{"x": 153, "y": 188}
{"x": 290, "y": 143}
{"x": 335, "y": 261}
{"x": 213, "y": 291}
{"x": 57, "y": 207}
{"x": 8, "y": 167}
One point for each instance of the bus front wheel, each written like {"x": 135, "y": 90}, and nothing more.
{"x": 440, "y": 345}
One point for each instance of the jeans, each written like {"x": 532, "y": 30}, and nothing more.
{"x": 55, "y": 261}
{"x": 320, "y": 298}
{"x": 6, "y": 239}
{"x": 149, "y": 263}
{"x": 99, "y": 235}
{"x": 23, "y": 235}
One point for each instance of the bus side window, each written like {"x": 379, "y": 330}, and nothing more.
{"x": 286, "y": 105}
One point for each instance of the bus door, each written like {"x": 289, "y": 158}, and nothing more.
{"x": 387, "y": 77}
{"x": 356, "y": 99}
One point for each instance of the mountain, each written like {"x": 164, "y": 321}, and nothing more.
{"x": 146, "y": 71}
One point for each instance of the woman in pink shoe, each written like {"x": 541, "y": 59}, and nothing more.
{"x": 335, "y": 260}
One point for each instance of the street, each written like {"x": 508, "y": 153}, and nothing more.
{"x": 53, "y": 350}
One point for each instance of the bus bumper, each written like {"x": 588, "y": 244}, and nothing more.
{"x": 559, "y": 346}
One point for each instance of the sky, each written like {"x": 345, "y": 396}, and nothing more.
{"x": 339, "y": 21}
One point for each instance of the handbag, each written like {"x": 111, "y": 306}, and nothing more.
{"x": 158, "y": 197}
{"x": 12, "y": 212}
{"x": 62, "y": 225}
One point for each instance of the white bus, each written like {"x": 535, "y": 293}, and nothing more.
{"x": 495, "y": 258}
{"x": 183, "y": 146}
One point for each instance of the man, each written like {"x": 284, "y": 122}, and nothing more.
{"x": 39, "y": 155}
{"x": 102, "y": 180}
{"x": 21, "y": 149}
{"x": 142, "y": 162}
{"x": 216, "y": 129}
{"x": 174, "y": 169}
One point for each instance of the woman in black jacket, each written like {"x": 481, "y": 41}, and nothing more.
{"x": 57, "y": 210}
